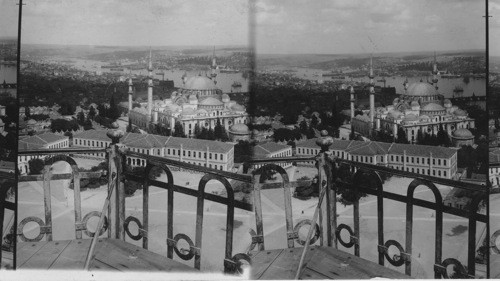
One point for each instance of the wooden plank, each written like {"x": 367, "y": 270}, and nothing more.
{"x": 262, "y": 260}
{"x": 47, "y": 254}
{"x": 99, "y": 265}
{"x": 26, "y": 250}
{"x": 309, "y": 274}
{"x": 73, "y": 256}
{"x": 125, "y": 257}
{"x": 286, "y": 264}
{"x": 336, "y": 264}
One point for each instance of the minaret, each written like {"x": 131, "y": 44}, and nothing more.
{"x": 352, "y": 102}
{"x": 372, "y": 94}
{"x": 405, "y": 85}
{"x": 130, "y": 92}
{"x": 434, "y": 73}
{"x": 214, "y": 67}
{"x": 150, "y": 88}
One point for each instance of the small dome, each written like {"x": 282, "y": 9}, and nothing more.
{"x": 415, "y": 103}
{"x": 395, "y": 114}
{"x": 447, "y": 101}
{"x": 31, "y": 122}
{"x": 460, "y": 112}
{"x": 462, "y": 134}
{"x": 193, "y": 97}
{"x": 432, "y": 107}
{"x": 239, "y": 128}
{"x": 237, "y": 107}
{"x": 225, "y": 98}
{"x": 188, "y": 111}
{"x": 421, "y": 89}
{"x": 423, "y": 117}
{"x": 410, "y": 117}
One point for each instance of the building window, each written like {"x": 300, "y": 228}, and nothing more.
{"x": 210, "y": 155}
{"x": 189, "y": 153}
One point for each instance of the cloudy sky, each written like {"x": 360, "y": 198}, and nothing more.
{"x": 494, "y": 11}
{"x": 360, "y": 26}
{"x": 8, "y": 18}
{"x": 136, "y": 22}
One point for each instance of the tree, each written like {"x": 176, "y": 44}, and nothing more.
{"x": 179, "y": 130}
{"x": 218, "y": 130}
{"x": 92, "y": 113}
{"x": 80, "y": 117}
{"x": 442, "y": 137}
{"x": 27, "y": 112}
{"x": 113, "y": 112}
{"x": 36, "y": 166}
{"x": 401, "y": 136}
{"x": 197, "y": 131}
{"x": 314, "y": 122}
{"x": 303, "y": 127}
{"x": 67, "y": 108}
{"x": 87, "y": 125}
{"x": 420, "y": 137}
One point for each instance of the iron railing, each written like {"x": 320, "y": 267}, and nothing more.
{"x": 360, "y": 177}
{"x": 335, "y": 173}
{"x": 7, "y": 182}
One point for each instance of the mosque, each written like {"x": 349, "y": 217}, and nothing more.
{"x": 197, "y": 102}
{"x": 420, "y": 107}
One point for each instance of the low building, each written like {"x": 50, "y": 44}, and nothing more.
{"x": 273, "y": 150}
{"x": 42, "y": 141}
{"x": 422, "y": 159}
{"x": 211, "y": 154}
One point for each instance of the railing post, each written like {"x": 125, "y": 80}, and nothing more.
{"x": 116, "y": 207}
{"x": 324, "y": 142}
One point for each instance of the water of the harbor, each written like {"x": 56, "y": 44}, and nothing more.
{"x": 446, "y": 85}
{"x": 225, "y": 81}
{"x": 8, "y": 72}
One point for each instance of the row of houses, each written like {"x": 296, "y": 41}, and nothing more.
{"x": 427, "y": 160}
{"x": 422, "y": 159}
{"x": 211, "y": 154}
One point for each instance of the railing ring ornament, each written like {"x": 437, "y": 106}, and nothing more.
{"x": 299, "y": 225}
{"x": 493, "y": 240}
{"x": 461, "y": 273}
{"x": 189, "y": 255}
{"x": 127, "y": 230}
{"x": 396, "y": 260}
{"x": 351, "y": 235}
{"x": 23, "y": 223}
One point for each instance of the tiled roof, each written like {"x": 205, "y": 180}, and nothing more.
{"x": 197, "y": 144}
{"x": 39, "y": 141}
{"x": 144, "y": 140}
{"x": 377, "y": 148}
{"x": 93, "y": 135}
{"x": 267, "y": 148}
{"x": 422, "y": 150}
{"x": 368, "y": 148}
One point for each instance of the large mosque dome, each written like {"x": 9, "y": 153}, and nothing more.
{"x": 199, "y": 83}
{"x": 421, "y": 89}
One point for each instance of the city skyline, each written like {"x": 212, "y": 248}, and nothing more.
{"x": 368, "y": 27}
{"x": 135, "y": 23}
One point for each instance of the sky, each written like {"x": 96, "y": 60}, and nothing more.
{"x": 8, "y": 18}
{"x": 494, "y": 27}
{"x": 135, "y": 22}
{"x": 361, "y": 26}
